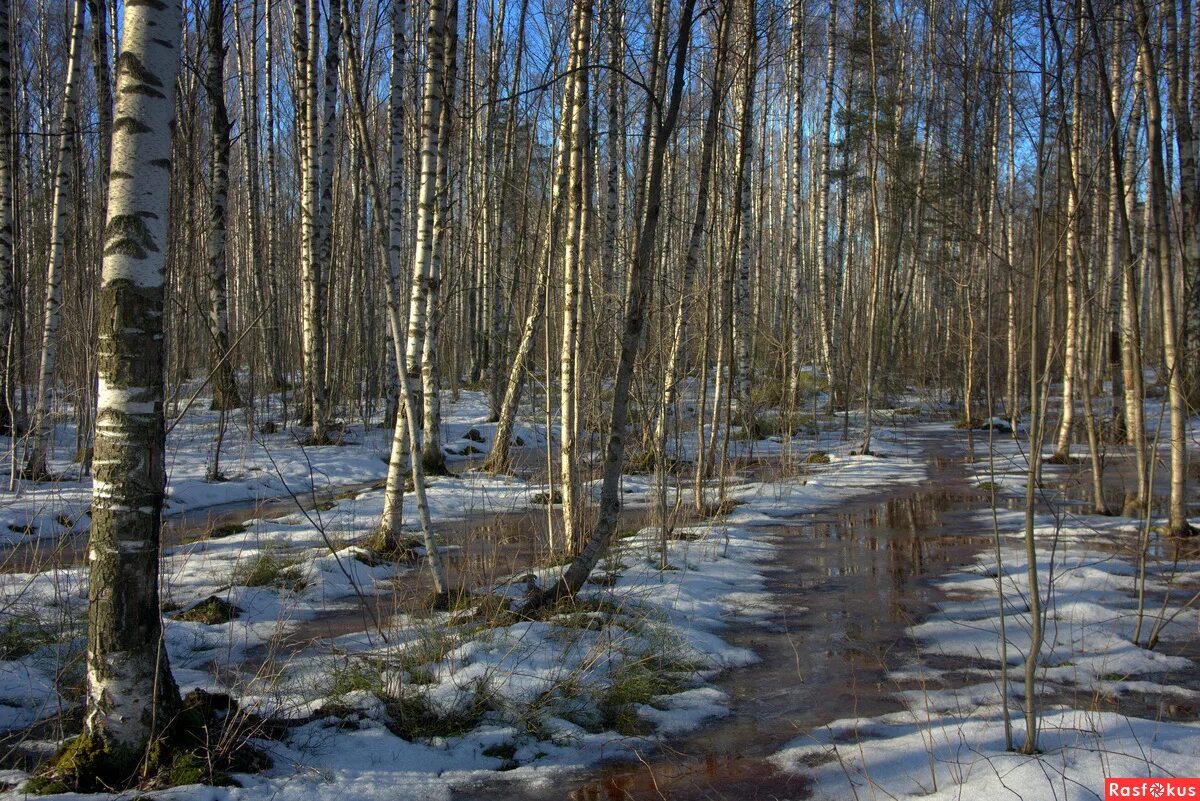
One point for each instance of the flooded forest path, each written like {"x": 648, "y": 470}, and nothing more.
{"x": 846, "y": 584}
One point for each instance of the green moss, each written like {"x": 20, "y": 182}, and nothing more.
{"x": 85, "y": 764}
{"x": 391, "y": 548}
{"x": 356, "y": 676}
{"x": 45, "y": 785}
{"x": 19, "y": 638}
{"x": 413, "y": 716}
{"x": 187, "y": 768}
{"x": 211, "y": 612}
{"x": 818, "y": 457}
{"x": 270, "y": 570}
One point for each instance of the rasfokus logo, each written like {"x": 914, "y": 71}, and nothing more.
{"x": 1151, "y": 788}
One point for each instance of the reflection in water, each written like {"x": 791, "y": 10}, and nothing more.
{"x": 847, "y": 585}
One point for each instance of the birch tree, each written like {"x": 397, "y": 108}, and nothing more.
{"x": 131, "y": 695}
{"x": 664, "y": 117}
{"x": 225, "y": 393}
{"x": 421, "y": 259}
{"x": 8, "y": 289}
{"x": 43, "y": 430}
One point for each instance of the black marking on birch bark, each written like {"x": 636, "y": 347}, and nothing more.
{"x": 134, "y": 125}
{"x": 128, "y": 235}
{"x": 129, "y": 64}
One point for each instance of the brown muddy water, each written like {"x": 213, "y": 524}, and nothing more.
{"x": 847, "y": 585}
{"x": 193, "y": 525}
{"x": 480, "y": 552}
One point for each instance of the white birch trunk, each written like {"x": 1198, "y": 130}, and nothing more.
{"x": 130, "y": 691}
{"x": 422, "y": 254}
{"x": 8, "y": 297}
{"x": 43, "y": 429}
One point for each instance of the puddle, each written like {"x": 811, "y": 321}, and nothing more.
{"x": 481, "y": 551}
{"x": 193, "y": 525}
{"x": 847, "y": 586}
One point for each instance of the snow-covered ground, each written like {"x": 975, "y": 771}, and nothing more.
{"x": 631, "y": 663}
{"x": 423, "y": 704}
{"x": 1108, "y": 706}
{"x": 257, "y": 467}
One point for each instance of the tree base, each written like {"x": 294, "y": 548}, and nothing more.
{"x": 1180, "y": 531}
{"x": 390, "y": 547}
{"x": 202, "y": 745}
{"x": 434, "y": 464}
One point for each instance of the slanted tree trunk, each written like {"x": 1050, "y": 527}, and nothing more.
{"x": 131, "y": 695}
{"x": 431, "y": 110}
{"x": 640, "y": 283}
{"x": 691, "y": 260}
{"x": 43, "y": 428}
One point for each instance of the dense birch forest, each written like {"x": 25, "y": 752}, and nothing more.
{"x": 599, "y": 398}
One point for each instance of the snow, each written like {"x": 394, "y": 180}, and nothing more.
{"x": 948, "y": 742}
{"x": 534, "y": 696}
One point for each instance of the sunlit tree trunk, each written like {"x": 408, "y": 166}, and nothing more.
{"x": 1062, "y": 448}
{"x": 799, "y": 275}
{"x": 422, "y": 254}
{"x": 131, "y": 695}
{"x": 43, "y": 428}
{"x": 432, "y": 456}
{"x": 1159, "y": 240}
{"x": 573, "y": 279}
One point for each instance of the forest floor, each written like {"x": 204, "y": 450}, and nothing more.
{"x": 834, "y": 634}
